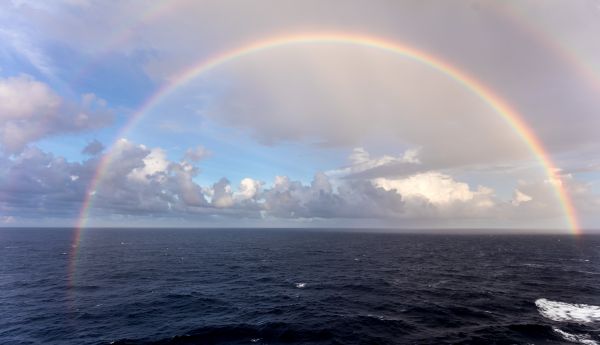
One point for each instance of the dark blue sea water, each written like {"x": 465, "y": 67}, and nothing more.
{"x": 140, "y": 286}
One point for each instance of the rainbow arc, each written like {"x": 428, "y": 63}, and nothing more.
{"x": 483, "y": 92}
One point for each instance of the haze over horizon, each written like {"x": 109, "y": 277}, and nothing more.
{"x": 276, "y": 114}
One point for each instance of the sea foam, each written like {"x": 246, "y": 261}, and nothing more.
{"x": 567, "y": 312}
{"x": 575, "y": 338}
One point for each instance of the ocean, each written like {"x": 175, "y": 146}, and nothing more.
{"x": 250, "y": 286}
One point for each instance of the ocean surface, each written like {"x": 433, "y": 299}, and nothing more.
{"x": 183, "y": 286}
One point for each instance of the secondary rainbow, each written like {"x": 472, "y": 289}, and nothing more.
{"x": 501, "y": 107}
{"x": 568, "y": 54}
{"x": 123, "y": 35}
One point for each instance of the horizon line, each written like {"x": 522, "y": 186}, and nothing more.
{"x": 416, "y": 230}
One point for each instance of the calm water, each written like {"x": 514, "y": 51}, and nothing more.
{"x": 270, "y": 287}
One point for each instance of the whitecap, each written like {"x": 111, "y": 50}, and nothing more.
{"x": 567, "y": 312}
{"x": 378, "y": 317}
{"x": 575, "y": 338}
{"x": 300, "y": 285}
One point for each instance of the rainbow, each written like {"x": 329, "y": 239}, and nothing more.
{"x": 568, "y": 54}
{"x": 511, "y": 116}
{"x": 119, "y": 37}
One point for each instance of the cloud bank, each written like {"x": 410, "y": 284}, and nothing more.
{"x": 142, "y": 181}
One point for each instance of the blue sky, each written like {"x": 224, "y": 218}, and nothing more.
{"x": 310, "y": 135}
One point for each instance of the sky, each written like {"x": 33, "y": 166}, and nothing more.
{"x": 103, "y": 123}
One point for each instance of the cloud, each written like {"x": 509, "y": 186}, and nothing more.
{"x": 352, "y": 199}
{"x": 143, "y": 182}
{"x": 21, "y": 44}
{"x": 154, "y": 167}
{"x": 425, "y": 193}
{"x": 342, "y": 96}
{"x": 36, "y": 183}
{"x": 363, "y": 166}
{"x": 30, "y": 110}
{"x": 196, "y": 154}
{"x": 222, "y": 195}
{"x": 323, "y": 95}
{"x": 140, "y": 180}
{"x": 520, "y": 197}
{"x": 248, "y": 189}
{"x": 345, "y": 94}
{"x": 7, "y": 219}
{"x": 434, "y": 197}
{"x": 93, "y": 148}
{"x": 434, "y": 187}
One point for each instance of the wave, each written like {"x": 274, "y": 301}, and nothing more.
{"x": 567, "y": 312}
{"x": 575, "y": 338}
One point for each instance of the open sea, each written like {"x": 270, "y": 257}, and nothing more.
{"x": 184, "y": 286}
